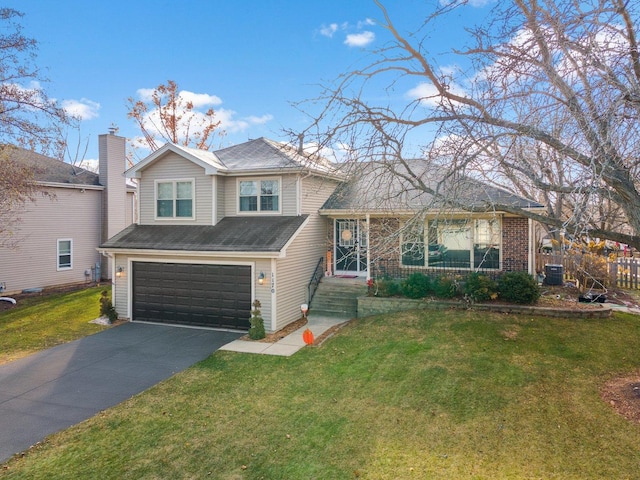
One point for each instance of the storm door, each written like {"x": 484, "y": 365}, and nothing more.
{"x": 351, "y": 242}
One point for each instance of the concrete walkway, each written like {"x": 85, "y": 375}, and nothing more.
{"x": 64, "y": 385}
{"x": 290, "y": 344}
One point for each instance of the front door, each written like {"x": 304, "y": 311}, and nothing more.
{"x": 351, "y": 244}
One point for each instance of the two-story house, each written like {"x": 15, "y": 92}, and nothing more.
{"x": 218, "y": 230}
{"x": 54, "y": 243}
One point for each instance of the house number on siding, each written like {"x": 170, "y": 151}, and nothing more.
{"x": 273, "y": 283}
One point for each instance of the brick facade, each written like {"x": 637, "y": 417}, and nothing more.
{"x": 515, "y": 243}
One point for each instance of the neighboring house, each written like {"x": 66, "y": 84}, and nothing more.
{"x": 218, "y": 230}
{"x": 56, "y": 239}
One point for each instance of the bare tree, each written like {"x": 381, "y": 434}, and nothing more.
{"x": 28, "y": 118}
{"x": 548, "y": 107}
{"x": 166, "y": 115}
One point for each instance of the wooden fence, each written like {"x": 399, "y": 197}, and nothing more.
{"x": 621, "y": 272}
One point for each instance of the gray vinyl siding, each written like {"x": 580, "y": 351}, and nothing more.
{"x": 294, "y": 271}
{"x": 315, "y": 192}
{"x": 173, "y": 167}
{"x": 302, "y": 256}
{"x": 288, "y": 192}
{"x": 72, "y": 214}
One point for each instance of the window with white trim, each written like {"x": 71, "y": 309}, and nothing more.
{"x": 174, "y": 198}
{"x": 259, "y": 195}
{"x": 64, "y": 254}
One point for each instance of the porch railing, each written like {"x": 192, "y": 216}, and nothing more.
{"x": 318, "y": 273}
{"x": 392, "y": 269}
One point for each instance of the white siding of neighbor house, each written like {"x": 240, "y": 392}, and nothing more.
{"x": 122, "y": 291}
{"x": 174, "y": 167}
{"x": 71, "y": 214}
{"x": 288, "y": 189}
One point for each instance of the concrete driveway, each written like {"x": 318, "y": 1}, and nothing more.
{"x": 54, "y": 389}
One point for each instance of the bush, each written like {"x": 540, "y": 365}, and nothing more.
{"x": 518, "y": 287}
{"x": 480, "y": 288}
{"x": 444, "y": 287}
{"x": 386, "y": 288}
{"x": 417, "y": 285}
{"x": 106, "y": 307}
{"x": 256, "y": 330}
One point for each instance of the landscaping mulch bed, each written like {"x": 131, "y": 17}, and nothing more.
{"x": 623, "y": 395}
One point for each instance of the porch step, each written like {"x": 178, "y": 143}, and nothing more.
{"x": 338, "y": 297}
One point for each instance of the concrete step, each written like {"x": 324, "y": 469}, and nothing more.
{"x": 338, "y": 297}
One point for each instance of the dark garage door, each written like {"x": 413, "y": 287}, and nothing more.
{"x": 217, "y": 296}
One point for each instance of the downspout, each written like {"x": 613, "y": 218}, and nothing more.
{"x": 272, "y": 287}
{"x": 214, "y": 198}
{"x": 368, "y": 218}
{"x": 299, "y": 195}
{"x": 531, "y": 252}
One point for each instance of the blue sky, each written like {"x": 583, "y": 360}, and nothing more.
{"x": 248, "y": 58}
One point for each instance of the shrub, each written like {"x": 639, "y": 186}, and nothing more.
{"x": 480, "y": 288}
{"x": 106, "y": 307}
{"x": 444, "y": 287}
{"x": 256, "y": 330}
{"x": 518, "y": 287}
{"x": 417, "y": 285}
{"x": 386, "y": 288}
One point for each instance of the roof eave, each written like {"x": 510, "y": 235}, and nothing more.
{"x": 109, "y": 251}
{"x": 77, "y": 186}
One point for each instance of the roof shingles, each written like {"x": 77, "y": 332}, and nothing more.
{"x": 231, "y": 234}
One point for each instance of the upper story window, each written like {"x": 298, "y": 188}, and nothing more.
{"x": 259, "y": 195}
{"x": 174, "y": 198}
{"x": 64, "y": 254}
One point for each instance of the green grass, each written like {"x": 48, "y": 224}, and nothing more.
{"x": 40, "y": 322}
{"x": 416, "y": 395}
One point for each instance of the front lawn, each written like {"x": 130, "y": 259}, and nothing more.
{"x": 42, "y": 321}
{"x": 430, "y": 394}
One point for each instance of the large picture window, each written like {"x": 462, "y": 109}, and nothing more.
{"x": 174, "y": 199}
{"x": 259, "y": 195}
{"x": 454, "y": 244}
{"x": 64, "y": 254}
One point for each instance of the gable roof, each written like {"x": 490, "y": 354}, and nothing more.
{"x": 207, "y": 160}
{"x": 231, "y": 234}
{"x": 49, "y": 170}
{"x": 255, "y": 156}
{"x": 384, "y": 187}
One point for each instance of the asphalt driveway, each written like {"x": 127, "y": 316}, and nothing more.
{"x": 56, "y": 388}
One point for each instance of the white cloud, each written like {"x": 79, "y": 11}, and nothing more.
{"x": 360, "y": 39}
{"x": 84, "y": 109}
{"x": 230, "y": 124}
{"x": 329, "y": 30}
{"x": 90, "y": 164}
{"x": 195, "y": 121}
{"x": 200, "y": 100}
{"x": 365, "y": 23}
{"x": 145, "y": 94}
{"x": 427, "y": 94}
